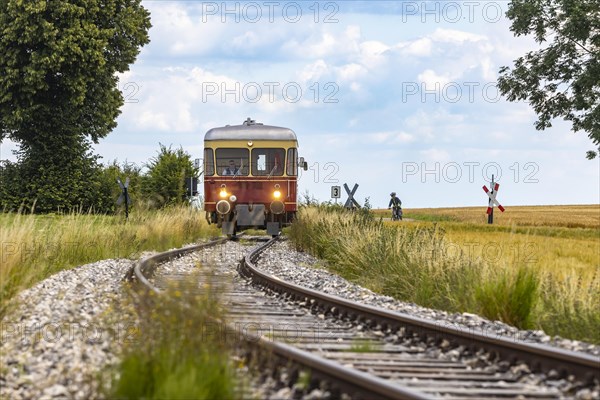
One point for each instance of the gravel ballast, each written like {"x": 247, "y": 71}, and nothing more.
{"x": 57, "y": 339}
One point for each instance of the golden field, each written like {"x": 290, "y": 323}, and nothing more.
{"x": 559, "y": 239}
{"x": 576, "y": 216}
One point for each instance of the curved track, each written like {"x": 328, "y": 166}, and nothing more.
{"x": 375, "y": 368}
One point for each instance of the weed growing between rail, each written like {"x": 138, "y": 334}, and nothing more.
{"x": 34, "y": 247}
{"x": 413, "y": 263}
{"x": 172, "y": 357}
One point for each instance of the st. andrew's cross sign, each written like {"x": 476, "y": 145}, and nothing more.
{"x": 492, "y": 200}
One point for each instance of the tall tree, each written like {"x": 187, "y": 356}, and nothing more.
{"x": 58, "y": 85}
{"x": 562, "y": 79}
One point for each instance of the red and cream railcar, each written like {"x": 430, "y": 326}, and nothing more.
{"x": 251, "y": 173}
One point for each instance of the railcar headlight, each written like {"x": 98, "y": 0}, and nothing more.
{"x": 232, "y": 198}
{"x": 277, "y": 194}
{"x": 223, "y": 192}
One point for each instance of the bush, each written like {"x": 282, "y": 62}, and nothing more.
{"x": 164, "y": 184}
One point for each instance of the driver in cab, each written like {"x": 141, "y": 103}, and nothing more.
{"x": 232, "y": 169}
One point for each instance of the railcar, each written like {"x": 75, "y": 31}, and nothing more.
{"x": 251, "y": 177}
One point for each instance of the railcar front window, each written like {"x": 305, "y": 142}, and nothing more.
{"x": 209, "y": 162}
{"x": 268, "y": 162}
{"x": 232, "y": 162}
{"x": 292, "y": 162}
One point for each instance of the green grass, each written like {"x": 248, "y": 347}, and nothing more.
{"x": 34, "y": 247}
{"x": 510, "y": 296}
{"x": 551, "y": 283}
{"x": 173, "y": 357}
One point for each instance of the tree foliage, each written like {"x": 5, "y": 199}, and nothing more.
{"x": 58, "y": 88}
{"x": 164, "y": 183}
{"x": 62, "y": 176}
{"x": 59, "y": 63}
{"x": 124, "y": 171}
{"x": 562, "y": 79}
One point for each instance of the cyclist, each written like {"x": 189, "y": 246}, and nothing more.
{"x": 396, "y": 205}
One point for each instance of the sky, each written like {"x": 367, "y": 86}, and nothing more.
{"x": 390, "y": 95}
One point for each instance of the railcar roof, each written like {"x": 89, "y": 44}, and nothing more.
{"x": 250, "y": 132}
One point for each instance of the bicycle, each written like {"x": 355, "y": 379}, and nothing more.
{"x": 396, "y": 213}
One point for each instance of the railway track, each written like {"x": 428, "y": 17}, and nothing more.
{"x": 369, "y": 352}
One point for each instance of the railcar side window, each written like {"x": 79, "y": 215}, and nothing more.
{"x": 292, "y": 162}
{"x": 209, "y": 162}
{"x": 232, "y": 162}
{"x": 268, "y": 162}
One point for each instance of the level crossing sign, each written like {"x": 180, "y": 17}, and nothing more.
{"x": 351, "y": 202}
{"x": 492, "y": 195}
{"x": 124, "y": 197}
{"x": 492, "y": 200}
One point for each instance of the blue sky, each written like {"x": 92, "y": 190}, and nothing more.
{"x": 395, "y": 96}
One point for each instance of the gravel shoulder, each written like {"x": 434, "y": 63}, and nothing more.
{"x": 57, "y": 339}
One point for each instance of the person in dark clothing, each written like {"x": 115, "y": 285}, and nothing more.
{"x": 396, "y": 205}
{"x": 232, "y": 169}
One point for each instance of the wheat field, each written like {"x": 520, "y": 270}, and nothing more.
{"x": 573, "y": 216}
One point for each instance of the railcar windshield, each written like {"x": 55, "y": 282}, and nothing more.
{"x": 232, "y": 162}
{"x": 209, "y": 162}
{"x": 268, "y": 162}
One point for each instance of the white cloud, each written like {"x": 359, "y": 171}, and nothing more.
{"x": 432, "y": 80}
{"x": 351, "y": 72}
{"x": 390, "y": 137}
{"x": 246, "y": 41}
{"x": 435, "y": 155}
{"x": 314, "y": 71}
{"x": 179, "y": 29}
{"x": 325, "y": 44}
{"x": 455, "y": 36}
{"x": 372, "y": 53}
{"x": 421, "y": 47}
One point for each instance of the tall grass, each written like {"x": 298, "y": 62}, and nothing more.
{"x": 172, "y": 356}
{"x": 34, "y": 247}
{"x": 420, "y": 265}
{"x": 510, "y": 296}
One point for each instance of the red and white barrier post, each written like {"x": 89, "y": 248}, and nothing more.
{"x": 492, "y": 195}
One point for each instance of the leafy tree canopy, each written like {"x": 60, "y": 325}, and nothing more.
{"x": 58, "y": 92}
{"x": 59, "y": 63}
{"x": 562, "y": 79}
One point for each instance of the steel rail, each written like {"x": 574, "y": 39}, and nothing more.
{"x": 538, "y": 357}
{"x": 146, "y": 266}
